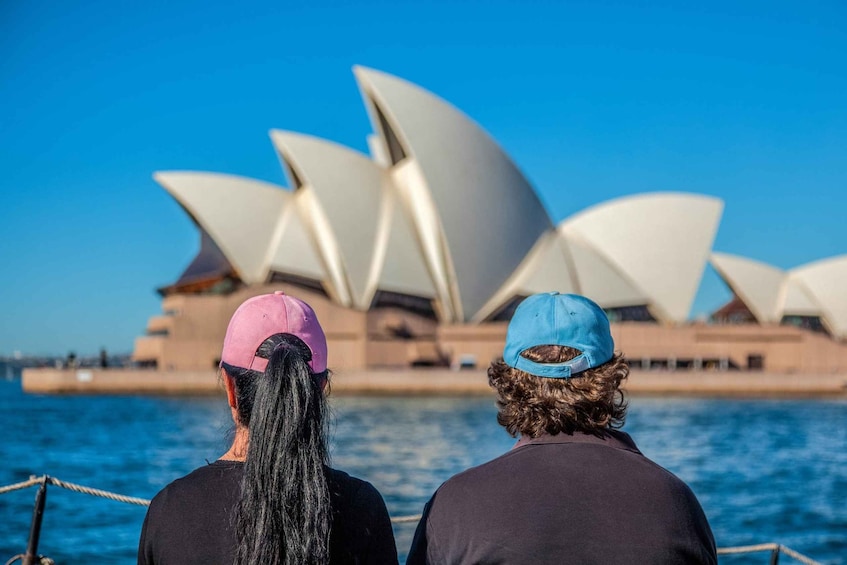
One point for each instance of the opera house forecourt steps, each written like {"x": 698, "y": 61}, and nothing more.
{"x": 434, "y": 382}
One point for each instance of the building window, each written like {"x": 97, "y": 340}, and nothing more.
{"x": 812, "y": 323}
{"x": 507, "y": 310}
{"x": 755, "y": 362}
{"x": 630, "y": 314}
{"x": 419, "y": 305}
{"x": 297, "y": 280}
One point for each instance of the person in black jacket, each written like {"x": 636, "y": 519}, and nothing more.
{"x": 574, "y": 489}
{"x": 272, "y": 498}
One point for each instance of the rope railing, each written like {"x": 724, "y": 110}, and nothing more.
{"x": 774, "y": 548}
{"x": 414, "y": 518}
{"x": 33, "y": 480}
{"x": 98, "y": 492}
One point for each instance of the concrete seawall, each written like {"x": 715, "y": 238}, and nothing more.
{"x": 433, "y": 382}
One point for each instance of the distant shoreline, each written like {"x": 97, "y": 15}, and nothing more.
{"x": 434, "y": 382}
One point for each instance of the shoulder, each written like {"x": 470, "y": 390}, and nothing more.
{"x": 559, "y": 463}
{"x": 201, "y": 477}
{"x": 477, "y": 477}
{"x": 354, "y": 492}
{"x": 183, "y": 517}
{"x": 218, "y": 479}
{"x": 646, "y": 471}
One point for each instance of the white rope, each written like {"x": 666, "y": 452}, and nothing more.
{"x": 747, "y": 548}
{"x": 799, "y": 557}
{"x": 406, "y": 519}
{"x": 33, "y": 480}
{"x": 41, "y": 560}
{"x": 768, "y": 547}
{"x": 98, "y": 492}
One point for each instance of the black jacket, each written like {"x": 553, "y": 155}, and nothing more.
{"x": 564, "y": 499}
{"x": 189, "y": 521}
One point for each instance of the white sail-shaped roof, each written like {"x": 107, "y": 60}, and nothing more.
{"x": 544, "y": 269}
{"x": 660, "y": 241}
{"x": 344, "y": 196}
{"x": 347, "y": 188}
{"x": 240, "y": 214}
{"x": 398, "y": 264}
{"x": 796, "y": 300}
{"x": 292, "y": 250}
{"x": 599, "y": 280}
{"x": 825, "y": 282}
{"x": 816, "y": 289}
{"x": 476, "y": 216}
{"x": 759, "y": 285}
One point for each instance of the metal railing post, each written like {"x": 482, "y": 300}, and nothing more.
{"x": 31, "y": 555}
{"x": 775, "y": 555}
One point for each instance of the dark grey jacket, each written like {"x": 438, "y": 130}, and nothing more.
{"x": 563, "y": 499}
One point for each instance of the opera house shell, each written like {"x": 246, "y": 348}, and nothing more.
{"x": 811, "y": 295}
{"x": 418, "y": 252}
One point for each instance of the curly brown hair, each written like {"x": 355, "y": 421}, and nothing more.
{"x": 589, "y": 402}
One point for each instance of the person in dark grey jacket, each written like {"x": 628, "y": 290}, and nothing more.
{"x": 574, "y": 489}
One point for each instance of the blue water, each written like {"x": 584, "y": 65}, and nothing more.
{"x": 764, "y": 471}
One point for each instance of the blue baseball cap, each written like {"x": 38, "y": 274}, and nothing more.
{"x": 559, "y": 319}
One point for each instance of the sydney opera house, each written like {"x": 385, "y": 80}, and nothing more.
{"x": 418, "y": 253}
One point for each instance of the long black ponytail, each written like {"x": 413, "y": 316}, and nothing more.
{"x": 284, "y": 515}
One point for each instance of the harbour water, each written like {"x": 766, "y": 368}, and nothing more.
{"x": 764, "y": 470}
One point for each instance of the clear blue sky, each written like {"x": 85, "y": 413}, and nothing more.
{"x": 746, "y": 101}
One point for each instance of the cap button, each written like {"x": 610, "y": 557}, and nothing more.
{"x": 279, "y": 292}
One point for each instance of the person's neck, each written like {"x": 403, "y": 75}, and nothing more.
{"x": 238, "y": 450}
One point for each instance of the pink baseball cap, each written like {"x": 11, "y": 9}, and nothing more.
{"x": 259, "y": 318}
